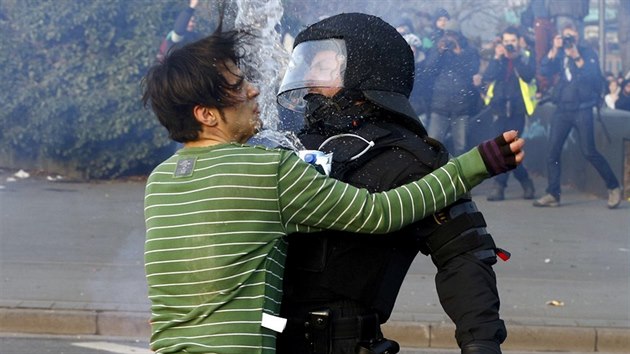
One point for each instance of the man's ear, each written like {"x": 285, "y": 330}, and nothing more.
{"x": 206, "y": 116}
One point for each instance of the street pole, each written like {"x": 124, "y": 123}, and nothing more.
{"x": 602, "y": 35}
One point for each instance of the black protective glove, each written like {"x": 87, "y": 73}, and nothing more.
{"x": 482, "y": 347}
{"x": 497, "y": 155}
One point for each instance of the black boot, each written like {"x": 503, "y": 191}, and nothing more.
{"x": 528, "y": 189}
{"x": 482, "y": 347}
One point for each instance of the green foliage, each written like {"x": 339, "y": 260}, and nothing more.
{"x": 71, "y": 74}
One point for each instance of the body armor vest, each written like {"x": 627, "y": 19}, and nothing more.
{"x": 370, "y": 269}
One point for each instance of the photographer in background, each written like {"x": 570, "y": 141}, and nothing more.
{"x": 509, "y": 73}
{"x": 183, "y": 31}
{"x": 578, "y": 90}
{"x": 449, "y": 68}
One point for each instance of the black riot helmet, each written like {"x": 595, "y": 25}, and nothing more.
{"x": 371, "y": 57}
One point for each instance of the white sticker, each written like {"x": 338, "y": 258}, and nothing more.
{"x": 274, "y": 323}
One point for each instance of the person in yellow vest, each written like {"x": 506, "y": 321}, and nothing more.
{"x": 511, "y": 98}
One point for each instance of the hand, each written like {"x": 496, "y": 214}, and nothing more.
{"x": 516, "y": 145}
{"x": 503, "y": 153}
{"x": 441, "y": 45}
{"x": 193, "y": 3}
{"x": 499, "y": 51}
{"x": 477, "y": 80}
{"x": 572, "y": 52}
{"x": 557, "y": 42}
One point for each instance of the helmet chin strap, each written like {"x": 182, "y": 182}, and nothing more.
{"x": 339, "y": 113}
{"x": 369, "y": 143}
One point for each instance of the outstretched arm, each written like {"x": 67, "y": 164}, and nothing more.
{"x": 311, "y": 202}
{"x": 551, "y": 63}
{"x": 181, "y": 23}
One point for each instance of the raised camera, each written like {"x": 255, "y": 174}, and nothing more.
{"x": 510, "y": 48}
{"x": 568, "y": 42}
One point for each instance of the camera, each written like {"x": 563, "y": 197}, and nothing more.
{"x": 510, "y": 48}
{"x": 568, "y": 42}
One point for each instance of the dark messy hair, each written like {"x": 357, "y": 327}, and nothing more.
{"x": 512, "y": 30}
{"x": 194, "y": 75}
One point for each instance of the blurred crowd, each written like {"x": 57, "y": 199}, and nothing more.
{"x": 466, "y": 91}
{"x": 617, "y": 91}
{"x": 452, "y": 82}
{"x": 451, "y": 79}
{"x": 540, "y": 23}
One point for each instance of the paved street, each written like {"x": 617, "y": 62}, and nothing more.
{"x": 71, "y": 263}
{"x": 21, "y": 344}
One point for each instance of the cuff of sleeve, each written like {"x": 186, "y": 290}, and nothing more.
{"x": 473, "y": 169}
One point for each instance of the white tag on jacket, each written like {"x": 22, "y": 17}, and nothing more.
{"x": 274, "y": 323}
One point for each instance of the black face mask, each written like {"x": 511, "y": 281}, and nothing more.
{"x": 337, "y": 114}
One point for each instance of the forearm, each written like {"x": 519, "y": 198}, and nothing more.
{"x": 549, "y": 66}
{"x": 588, "y": 70}
{"x": 181, "y": 23}
{"x": 431, "y": 62}
{"x": 492, "y": 71}
{"x": 526, "y": 68}
{"x": 320, "y": 203}
{"x": 469, "y": 63}
{"x": 435, "y": 191}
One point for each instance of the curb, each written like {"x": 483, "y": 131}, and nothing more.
{"x": 520, "y": 337}
{"x": 407, "y": 334}
{"x": 106, "y": 323}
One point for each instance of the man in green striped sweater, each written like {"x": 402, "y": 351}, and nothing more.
{"x": 217, "y": 212}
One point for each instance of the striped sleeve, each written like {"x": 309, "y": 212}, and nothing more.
{"x": 310, "y": 201}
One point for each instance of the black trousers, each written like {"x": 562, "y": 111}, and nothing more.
{"x": 476, "y": 310}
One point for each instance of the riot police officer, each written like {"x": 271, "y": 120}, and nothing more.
{"x": 351, "y": 76}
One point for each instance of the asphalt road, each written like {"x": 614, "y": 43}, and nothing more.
{"x": 30, "y": 344}
{"x": 79, "y": 246}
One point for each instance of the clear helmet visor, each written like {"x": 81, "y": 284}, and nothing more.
{"x": 314, "y": 67}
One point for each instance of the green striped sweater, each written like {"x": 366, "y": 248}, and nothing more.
{"x": 216, "y": 218}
